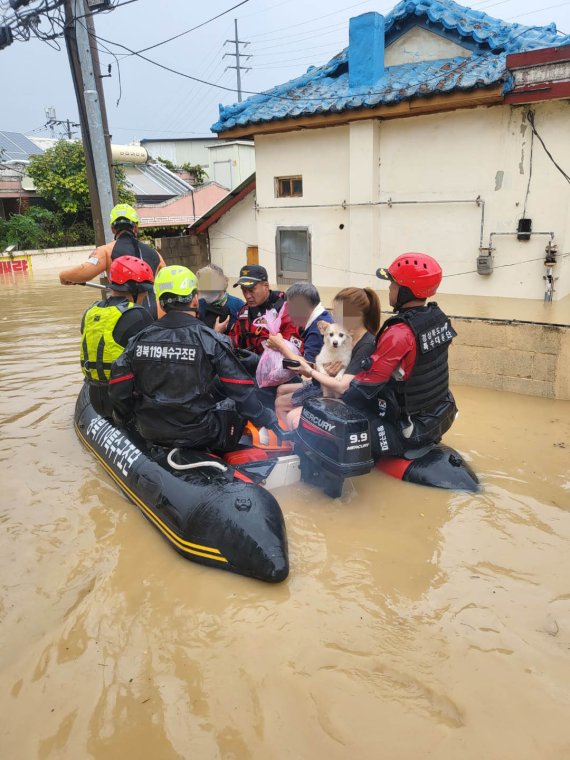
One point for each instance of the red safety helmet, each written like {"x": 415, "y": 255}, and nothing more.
{"x": 416, "y": 271}
{"x": 130, "y": 269}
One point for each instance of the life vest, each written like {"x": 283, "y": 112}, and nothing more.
{"x": 250, "y": 336}
{"x": 126, "y": 244}
{"x": 428, "y": 383}
{"x": 98, "y": 347}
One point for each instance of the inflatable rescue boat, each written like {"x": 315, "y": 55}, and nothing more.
{"x": 206, "y": 509}
{"x": 220, "y": 512}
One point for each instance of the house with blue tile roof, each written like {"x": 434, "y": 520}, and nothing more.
{"x": 431, "y": 131}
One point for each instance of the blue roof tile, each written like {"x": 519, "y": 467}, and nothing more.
{"x": 325, "y": 89}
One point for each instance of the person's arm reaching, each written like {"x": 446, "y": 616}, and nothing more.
{"x": 278, "y": 343}
{"x": 326, "y": 381}
{"x": 396, "y": 347}
{"x": 95, "y": 264}
{"x": 240, "y": 387}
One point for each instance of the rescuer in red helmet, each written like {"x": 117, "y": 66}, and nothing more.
{"x": 404, "y": 387}
{"x": 108, "y": 325}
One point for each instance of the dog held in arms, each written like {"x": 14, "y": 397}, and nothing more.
{"x": 337, "y": 347}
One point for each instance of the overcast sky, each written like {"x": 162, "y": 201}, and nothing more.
{"x": 286, "y": 37}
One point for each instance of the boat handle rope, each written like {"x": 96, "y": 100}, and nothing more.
{"x": 193, "y": 465}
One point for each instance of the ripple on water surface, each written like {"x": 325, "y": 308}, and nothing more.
{"x": 415, "y": 623}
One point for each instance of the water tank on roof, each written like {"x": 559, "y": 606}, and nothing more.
{"x": 128, "y": 154}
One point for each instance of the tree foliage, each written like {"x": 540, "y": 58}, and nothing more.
{"x": 60, "y": 176}
{"x": 42, "y": 228}
{"x": 196, "y": 170}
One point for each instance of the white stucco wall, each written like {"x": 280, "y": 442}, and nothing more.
{"x": 231, "y": 163}
{"x": 448, "y": 157}
{"x": 231, "y": 235}
{"x": 322, "y": 158}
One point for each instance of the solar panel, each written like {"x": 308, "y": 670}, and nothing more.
{"x": 16, "y": 147}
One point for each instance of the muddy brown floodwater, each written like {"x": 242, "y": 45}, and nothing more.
{"x": 415, "y": 623}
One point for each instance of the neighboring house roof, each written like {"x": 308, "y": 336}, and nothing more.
{"x": 17, "y": 147}
{"x": 183, "y": 210}
{"x": 326, "y": 89}
{"x": 154, "y": 182}
{"x": 175, "y": 139}
{"x": 223, "y": 206}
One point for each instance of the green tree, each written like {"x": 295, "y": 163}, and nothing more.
{"x": 60, "y": 176}
{"x": 197, "y": 171}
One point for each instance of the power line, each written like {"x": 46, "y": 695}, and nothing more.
{"x": 193, "y": 29}
{"x": 316, "y": 18}
{"x": 530, "y": 117}
{"x": 538, "y": 10}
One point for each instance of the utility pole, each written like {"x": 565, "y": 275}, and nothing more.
{"x": 53, "y": 121}
{"x": 91, "y": 108}
{"x": 238, "y": 55}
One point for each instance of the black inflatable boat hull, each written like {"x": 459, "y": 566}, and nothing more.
{"x": 210, "y": 517}
{"x": 440, "y": 467}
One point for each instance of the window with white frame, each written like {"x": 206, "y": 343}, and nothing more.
{"x": 293, "y": 248}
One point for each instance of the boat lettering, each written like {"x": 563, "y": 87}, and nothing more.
{"x": 118, "y": 449}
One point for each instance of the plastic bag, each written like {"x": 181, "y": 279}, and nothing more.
{"x": 270, "y": 370}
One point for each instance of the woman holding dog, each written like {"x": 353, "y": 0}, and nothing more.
{"x": 404, "y": 388}
{"x": 357, "y": 310}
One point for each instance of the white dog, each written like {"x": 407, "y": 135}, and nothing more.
{"x": 337, "y": 347}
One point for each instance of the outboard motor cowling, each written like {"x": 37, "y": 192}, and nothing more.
{"x": 335, "y": 444}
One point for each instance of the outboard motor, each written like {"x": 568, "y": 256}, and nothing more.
{"x": 334, "y": 443}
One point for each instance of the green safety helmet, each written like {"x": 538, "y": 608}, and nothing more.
{"x": 124, "y": 211}
{"x": 175, "y": 284}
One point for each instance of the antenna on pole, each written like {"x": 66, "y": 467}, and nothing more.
{"x": 239, "y": 56}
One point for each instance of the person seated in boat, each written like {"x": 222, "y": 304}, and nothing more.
{"x": 217, "y": 308}
{"x": 167, "y": 377}
{"x": 124, "y": 225}
{"x": 307, "y": 313}
{"x": 249, "y": 331}
{"x": 404, "y": 390}
{"x": 108, "y": 325}
{"x": 358, "y": 311}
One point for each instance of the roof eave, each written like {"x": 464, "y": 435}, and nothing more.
{"x": 419, "y": 106}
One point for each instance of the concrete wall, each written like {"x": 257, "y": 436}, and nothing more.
{"x": 190, "y": 251}
{"x": 522, "y": 358}
{"x": 57, "y": 258}
{"x": 424, "y": 165}
{"x": 231, "y": 235}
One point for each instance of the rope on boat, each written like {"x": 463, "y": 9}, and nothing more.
{"x": 193, "y": 465}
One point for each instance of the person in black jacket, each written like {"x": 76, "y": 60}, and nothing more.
{"x": 168, "y": 375}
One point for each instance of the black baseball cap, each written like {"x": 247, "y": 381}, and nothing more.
{"x": 250, "y": 275}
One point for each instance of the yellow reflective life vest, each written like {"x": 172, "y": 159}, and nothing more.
{"x": 98, "y": 347}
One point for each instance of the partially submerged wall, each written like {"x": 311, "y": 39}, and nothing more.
{"x": 189, "y": 250}
{"x": 521, "y": 357}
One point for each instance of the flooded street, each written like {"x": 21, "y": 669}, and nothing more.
{"x": 415, "y": 623}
